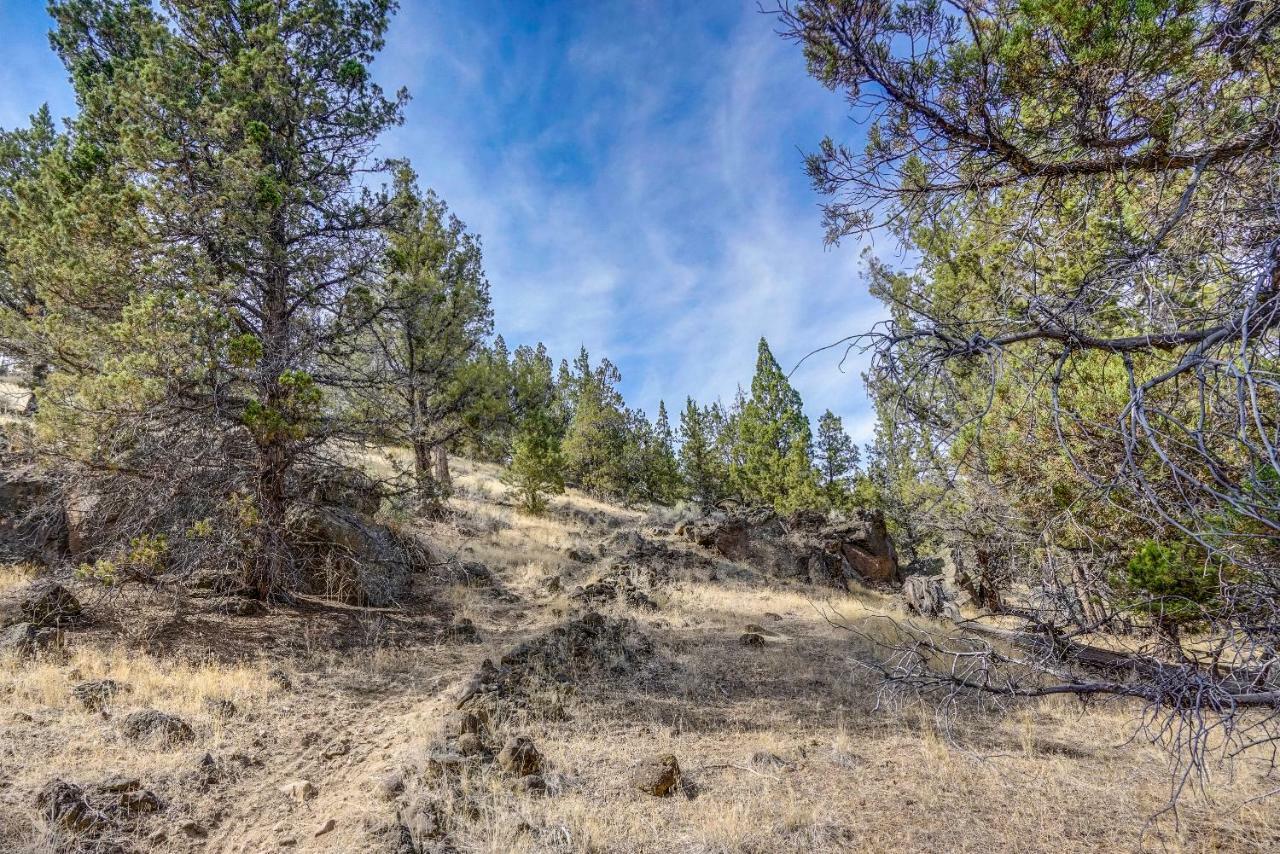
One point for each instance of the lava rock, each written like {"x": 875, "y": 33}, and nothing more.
{"x": 658, "y": 776}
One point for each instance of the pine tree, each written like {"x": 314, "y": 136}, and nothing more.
{"x": 773, "y": 462}
{"x": 537, "y": 465}
{"x": 595, "y": 442}
{"x": 427, "y": 380}
{"x": 837, "y": 459}
{"x": 664, "y": 469}
{"x": 226, "y": 144}
{"x": 701, "y": 462}
{"x": 22, "y": 155}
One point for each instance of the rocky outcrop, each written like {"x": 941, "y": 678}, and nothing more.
{"x": 805, "y": 546}
{"x": 150, "y": 724}
{"x": 341, "y": 554}
{"x": 658, "y": 776}
{"x": 42, "y": 604}
{"x": 589, "y": 647}
{"x": 33, "y": 525}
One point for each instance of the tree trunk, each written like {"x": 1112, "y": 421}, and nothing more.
{"x": 440, "y": 470}
{"x": 272, "y": 560}
{"x": 39, "y": 374}
{"x": 422, "y": 480}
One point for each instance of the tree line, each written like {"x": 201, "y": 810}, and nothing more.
{"x": 222, "y": 293}
{"x": 573, "y": 427}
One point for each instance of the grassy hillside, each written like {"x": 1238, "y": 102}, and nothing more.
{"x": 788, "y": 746}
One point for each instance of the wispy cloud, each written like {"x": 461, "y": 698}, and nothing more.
{"x": 635, "y": 170}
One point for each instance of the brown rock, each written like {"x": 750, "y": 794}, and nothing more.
{"x": 47, "y": 603}
{"x": 66, "y": 805}
{"x": 96, "y": 694}
{"x": 751, "y": 639}
{"x": 462, "y": 723}
{"x": 658, "y": 776}
{"x": 520, "y": 757}
{"x": 299, "y": 790}
{"x": 470, "y": 744}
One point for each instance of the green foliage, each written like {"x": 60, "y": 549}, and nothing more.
{"x": 596, "y": 439}
{"x": 772, "y": 458}
{"x": 537, "y": 466}
{"x": 837, "y": 458}
{"x": 145, "y": 558}
{"x": 1172, "y": 581}
{"x": 701, "y": 463}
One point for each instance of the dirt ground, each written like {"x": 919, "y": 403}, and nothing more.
{"x": 326, "y": 727}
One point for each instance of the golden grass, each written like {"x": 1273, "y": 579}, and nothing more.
{"x": 855, "y": 771}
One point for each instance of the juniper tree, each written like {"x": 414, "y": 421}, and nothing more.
{"x": 1089, "y": 331}
{"x": 426, "y": 377}
{"x": 836, "y": 457}
{"x": 701, "y": 462}
{"x": 23, "y": 152}
{"x": 537, "y": 465}
{"x": 663, "y": 471}
{"x": 595, "y": 441}
{"x": 242, "y": 134}
{"x": 774, "y": 442}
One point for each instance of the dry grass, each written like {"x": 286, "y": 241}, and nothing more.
{"x": 786, "y": 748}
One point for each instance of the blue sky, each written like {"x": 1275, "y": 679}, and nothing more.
{"x": 635, "y": 169}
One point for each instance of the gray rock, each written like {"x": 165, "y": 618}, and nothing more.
{"x": 470, "y": 744}
{"x": 519, "y": 757}
{"x": 299, "y": 790}
{"x": 67, "y": 806}
{"x": 47, "y": 603}
{"x": 24, "y": 639}
{"x": 423, "y": 819}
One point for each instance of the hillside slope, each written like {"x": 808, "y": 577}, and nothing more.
{"x": 327, "y": 727}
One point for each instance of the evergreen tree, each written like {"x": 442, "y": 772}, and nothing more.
{"x": 773, "y": 462}
{"x": 651, "y": 471}
{"x": 701, "y": 461}
{"x": 22, "y": 153}
{"x": 665, "y": 483}
{"x": 226, "y": 144}
{"x": 428, "y": 380}
{"x": 595, "y": 442}
{"x": 537, "y": 466}
{"x": 837, "y": 459}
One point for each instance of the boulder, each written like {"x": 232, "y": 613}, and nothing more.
{"x": 97, "y": 694}
{"x": 927, "y": 596}
{"x": 67, "y": 806}
{"x": 33, "y": 525}
{"x": 343, "y": 555}
{"x": 299, "y": 790}
{"x": 345, "y": 488}
{"x": 658, "y": 776}
{"x": 470, "y": 744}
{"x": 23, "y": 639}
{"x": 423, "y": 819}
{"x": 751, "y": 639}
{"x": 463, "y": 723}
{"x": 520, "y": 757}
{"x": 806, "y": 546}
{"x": 44, "y": 604}
{"x": 219, "y": 708}
{"x": 151, "y": 724}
